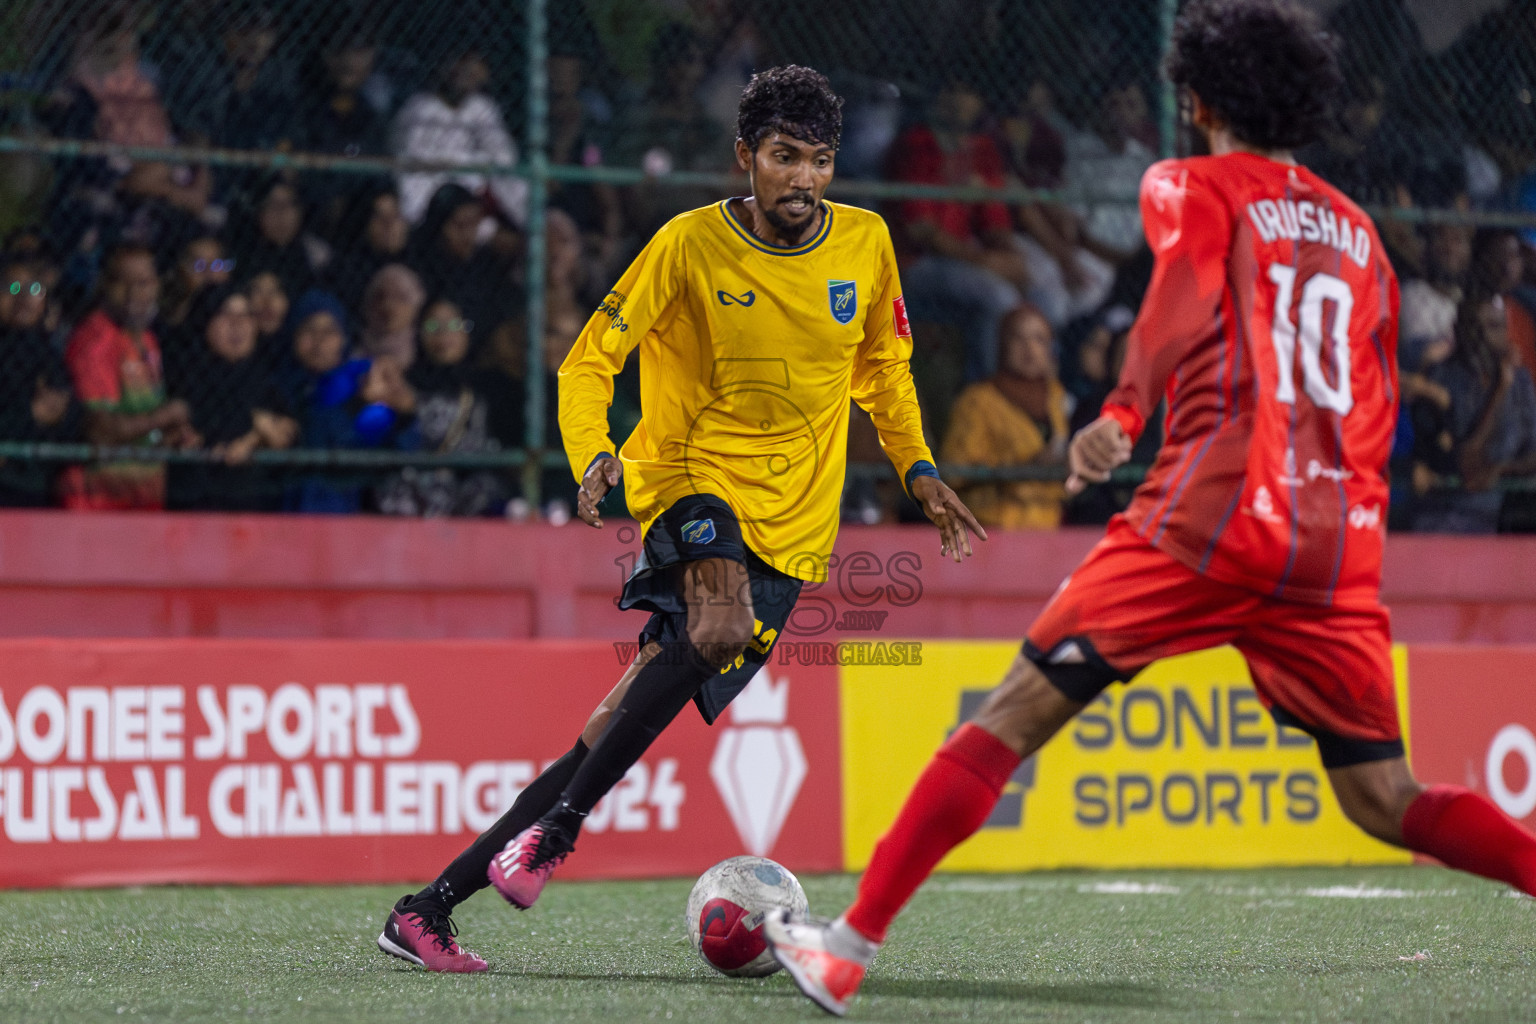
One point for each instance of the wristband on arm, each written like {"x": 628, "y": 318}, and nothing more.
{"x": 922, "y": 467}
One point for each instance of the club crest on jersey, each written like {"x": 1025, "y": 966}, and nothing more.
{"x": 843, "y": 297}
{"x": 698, "y": 531}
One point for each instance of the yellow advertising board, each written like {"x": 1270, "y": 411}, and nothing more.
{"x": 1183, "y": 768}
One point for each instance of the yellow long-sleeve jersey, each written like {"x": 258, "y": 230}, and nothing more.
{"x": 749, "y": 354}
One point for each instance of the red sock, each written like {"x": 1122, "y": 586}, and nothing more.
{"x": 950, "y": 802}
{"x": 1464, "y": 830}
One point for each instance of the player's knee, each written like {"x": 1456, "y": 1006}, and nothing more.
{"x": 598, "y": 720}
{"x": 1372, "y": 818}
{"x": 1377, "y": 807}
{"x": 722, "y": 632}
{"x": 595, "y": 725}
{"x": 1025, "y": 709}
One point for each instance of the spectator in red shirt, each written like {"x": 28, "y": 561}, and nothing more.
{"x": 114, "y": 361}
{"x": 967, "y": 271}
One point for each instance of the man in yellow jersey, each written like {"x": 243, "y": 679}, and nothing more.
{"x": 757, "y": 320}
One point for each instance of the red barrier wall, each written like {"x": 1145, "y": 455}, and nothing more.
{"x": 143, "y": 761}
{"x": 309, "y": 761}
{"x": 1471, "y": 716}
{"x": 149, "y": 575}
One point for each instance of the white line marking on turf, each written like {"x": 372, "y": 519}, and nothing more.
{"x": 1124, "y": 888}
{"x": 983, "y": 885}
{"x": 1128, "y": 887}
{"x": 971, "y": 886}
{"x": 1359, "y": 892}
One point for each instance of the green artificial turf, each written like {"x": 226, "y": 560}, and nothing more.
{"x": 1377, "y": 944}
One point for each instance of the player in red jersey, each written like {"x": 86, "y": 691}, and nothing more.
{"x": 1270, "y": 326}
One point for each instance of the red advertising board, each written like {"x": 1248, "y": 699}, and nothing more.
{"x": 141, "y": 761}
{"x": 1472, "y": 721}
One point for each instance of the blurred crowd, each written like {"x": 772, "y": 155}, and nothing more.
{"x": 229, "y": 310}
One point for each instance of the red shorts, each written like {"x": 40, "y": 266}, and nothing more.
{"x": 1326, "y": 669}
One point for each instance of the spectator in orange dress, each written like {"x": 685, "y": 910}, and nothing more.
{"x": 114, "y": 361}
{"x": 1016, "y": 417}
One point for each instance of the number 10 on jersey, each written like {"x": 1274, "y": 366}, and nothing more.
{"x": 1285, "y": 334}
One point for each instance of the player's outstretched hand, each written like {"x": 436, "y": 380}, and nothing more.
{"x": 949, "y": 514}
{"x": 1096, "y": 450}
{"x": 602, "y": 476}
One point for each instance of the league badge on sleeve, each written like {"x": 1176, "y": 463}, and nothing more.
{"x": 843, "y": 296}
{"x": 899, "y": 314}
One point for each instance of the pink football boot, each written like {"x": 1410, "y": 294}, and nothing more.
{"x": 520, "y": 870}
{"x": 422, "y": 933}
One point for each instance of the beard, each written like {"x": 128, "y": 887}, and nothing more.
{"x": 782, "y": 224}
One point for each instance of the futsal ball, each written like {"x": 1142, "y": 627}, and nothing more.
{"x": 726, "y": 911}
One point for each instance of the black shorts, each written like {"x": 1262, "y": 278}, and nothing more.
{"x": 697, "y": 527}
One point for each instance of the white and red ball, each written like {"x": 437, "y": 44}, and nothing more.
{"x": 726, "y": 911}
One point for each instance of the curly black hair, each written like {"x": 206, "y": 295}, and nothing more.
{"x": 1266, "y": 68}
{"x": 791, "y": 99}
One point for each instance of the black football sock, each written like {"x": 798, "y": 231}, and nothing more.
{"x": 466, "y": 875}
{"x": 660, "y": 690}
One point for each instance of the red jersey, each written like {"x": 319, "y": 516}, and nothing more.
{"x": 115, "y": 373}
{"x": 976, "y": 162}
{"x": 1271, "y": 327}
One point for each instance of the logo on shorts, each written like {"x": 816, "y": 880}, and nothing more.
{"x": 699, "y": 531}
{"x": 1068, "y": 652}
{"x": 843, "y": 297}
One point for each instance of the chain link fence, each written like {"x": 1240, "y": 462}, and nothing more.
{"x": 362, "y": 236}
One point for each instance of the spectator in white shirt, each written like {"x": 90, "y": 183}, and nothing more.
{"x": 1108, "y": 163}
{"x": 457, "y": 123}
{"x": 1427, "y": 322}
